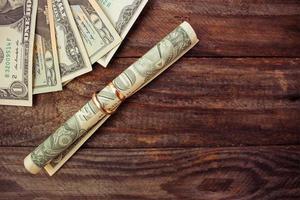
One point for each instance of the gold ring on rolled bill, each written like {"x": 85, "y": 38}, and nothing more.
{"x": 118, "y": 94}
{"x": 100, "y": 107}
{"x": 135, "y": 77}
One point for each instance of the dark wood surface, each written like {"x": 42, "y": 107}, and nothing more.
{"x": 222, "y": 123}
{"x": 155, "y": 173}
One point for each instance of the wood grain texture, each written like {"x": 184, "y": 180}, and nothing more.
{"x": 240, "y": 87}
{"x": 198, "y": 102}
{"x": 195, "y": 173}
{"x": 234, "y": 28}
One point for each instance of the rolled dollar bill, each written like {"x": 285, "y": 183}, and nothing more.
{"x": 104, "y": 103}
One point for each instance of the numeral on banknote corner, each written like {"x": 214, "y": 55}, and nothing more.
{"x": 17, "y": 33}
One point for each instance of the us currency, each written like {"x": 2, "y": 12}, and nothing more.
{"x": 122, "y": 14}
{"x": 62, "y": 144}
{"x": 55, "y": 164}
{"x": 46, "y": 68}
{"x": 98, "y": 34}
{"x": 72, "y": 55}
{"x": 17, "y": 27}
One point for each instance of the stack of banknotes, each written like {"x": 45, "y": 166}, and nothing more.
{"x": 44, "y": 44}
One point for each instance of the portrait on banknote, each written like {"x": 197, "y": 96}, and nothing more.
{"x": 10, "y": 11}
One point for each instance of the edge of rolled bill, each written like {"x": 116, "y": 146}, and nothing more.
{"x": 106, "y": 102}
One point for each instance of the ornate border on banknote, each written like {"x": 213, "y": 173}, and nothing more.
{"x": 126, "y": 15}
{"x": 20, "y": 91}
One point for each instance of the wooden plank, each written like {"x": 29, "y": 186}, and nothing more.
{"x": 198, "y": 102}
{"x": 194, "y": 173}
{"x": 225, "y": 28}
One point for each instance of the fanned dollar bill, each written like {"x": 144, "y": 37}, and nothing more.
{"x": 122, "y": 14}
{"x": 98, "y": 34}
{"x": 17, "y": 27}
{"x": 46, "y": 68}
{"x": 72, "y": 55}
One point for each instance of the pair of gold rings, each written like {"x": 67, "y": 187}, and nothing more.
{"x": 118, "y": 94}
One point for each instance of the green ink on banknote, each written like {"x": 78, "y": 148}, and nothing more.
{"x": 7, "y": 57}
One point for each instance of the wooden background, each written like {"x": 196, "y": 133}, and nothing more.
{"x": 222, "y": 123}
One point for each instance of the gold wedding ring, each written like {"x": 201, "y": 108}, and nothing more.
{"x": 99, "y": 105}
{"x": 118, "y": 94}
